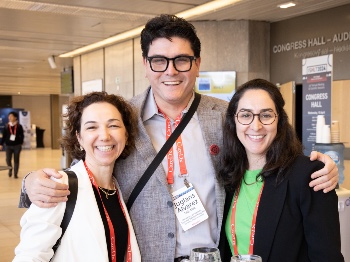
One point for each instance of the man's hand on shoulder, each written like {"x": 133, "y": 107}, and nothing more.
{"x": 43, "y": 191}
{"x": 326, "y": 178}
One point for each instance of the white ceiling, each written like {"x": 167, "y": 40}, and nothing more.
{"x": 31, "y": 31}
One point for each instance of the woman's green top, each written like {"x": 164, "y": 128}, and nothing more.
{"x": 248, "y": 195}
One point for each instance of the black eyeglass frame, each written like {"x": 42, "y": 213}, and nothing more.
{"x": 258, "y": 115}
{"x": 149, "y": 59}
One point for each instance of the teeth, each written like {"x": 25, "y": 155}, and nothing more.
{"x": 105, "y": 148}
{"x": 256, "y": 137}
{"x": 172, "y": 83}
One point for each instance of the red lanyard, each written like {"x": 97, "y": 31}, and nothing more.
{"x": 233, "y": 225}
{"x": 179, "y": 149}
{"x": 14, "y": 131}
{"x": 110, "y": 225}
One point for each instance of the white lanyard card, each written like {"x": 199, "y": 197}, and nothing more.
{"x": 188, "y": 207}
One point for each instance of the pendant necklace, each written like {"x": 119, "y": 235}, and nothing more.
{"x": 106, "y": 191}
{"x": 258, "y": 179}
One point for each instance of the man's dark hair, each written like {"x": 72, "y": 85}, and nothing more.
{"x": 168, "y": 26}
{"x": 15, "y": 114}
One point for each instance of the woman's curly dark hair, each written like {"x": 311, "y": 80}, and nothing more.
{"x": 72, "y": 120}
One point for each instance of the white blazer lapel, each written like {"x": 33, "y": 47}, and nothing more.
{"x": 86, "y": 217}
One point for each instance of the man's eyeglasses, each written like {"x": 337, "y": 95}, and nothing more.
{"x": 180, "y": 63}
{"x": 265, "y": 118}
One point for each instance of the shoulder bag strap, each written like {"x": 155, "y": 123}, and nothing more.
{"x": 70, "y": 205}
{"x": 162, "y": 152}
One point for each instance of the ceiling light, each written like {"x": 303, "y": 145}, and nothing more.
{"x": 286, "y": 5}
{"x": 206, "y": 8}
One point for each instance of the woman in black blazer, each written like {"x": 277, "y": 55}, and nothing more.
{"x": 270, "y": 210}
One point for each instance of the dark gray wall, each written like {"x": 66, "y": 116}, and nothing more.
{"x": 241, "y": 46}
{"x": 312, "y": 35}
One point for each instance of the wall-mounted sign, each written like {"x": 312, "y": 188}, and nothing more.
{"x": 221, "y": 84}
{"x": 338, "y": 40}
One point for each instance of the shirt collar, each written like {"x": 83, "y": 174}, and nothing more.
{"x": 150, "y": 108}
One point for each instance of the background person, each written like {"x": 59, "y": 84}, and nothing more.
{"x": 270, "y": 210}
{"x": 12, "y": 138}
{"x": 99, "y": 129}
{"x": 171, "y": 58}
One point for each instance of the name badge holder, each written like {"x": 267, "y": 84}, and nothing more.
{"x": 188, "y": 208}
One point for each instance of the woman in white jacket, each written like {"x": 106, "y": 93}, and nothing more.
{"x": 99, "y": 129}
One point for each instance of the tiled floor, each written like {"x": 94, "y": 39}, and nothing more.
{"x": 10, "y": 214}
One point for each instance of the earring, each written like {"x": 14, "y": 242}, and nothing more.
{"x": 81, "y": 148}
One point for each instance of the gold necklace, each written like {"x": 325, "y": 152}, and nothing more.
{"x": 107, "y": 192}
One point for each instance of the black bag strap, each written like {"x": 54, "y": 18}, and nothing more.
{"x": 70, "y": 205}
{"x": 162, "y": 152}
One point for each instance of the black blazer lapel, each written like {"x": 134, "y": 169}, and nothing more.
{"x": 269, "y": 212}
{"x": 224, "y": 247}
